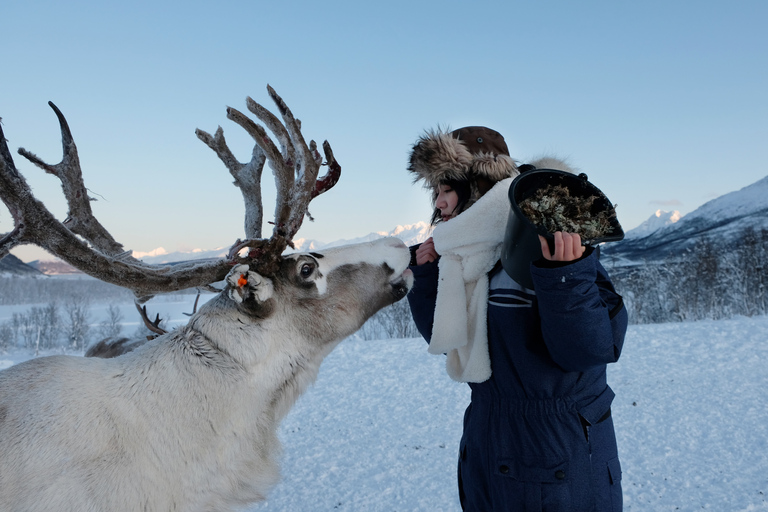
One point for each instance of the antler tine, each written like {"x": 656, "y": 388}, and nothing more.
{"x": 152, "y": 326}
{"x": 275, "y": 126}
{"x": 247, "y": 178}
{"x": 80, "y": 219}
{"x": 12, "y": 186}
{"x": 307, "y": 165}
{"x": 332, "y": 176}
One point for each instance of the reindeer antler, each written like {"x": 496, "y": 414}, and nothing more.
{"x": 99, "y": 255}
{"x": 295, "y": 166}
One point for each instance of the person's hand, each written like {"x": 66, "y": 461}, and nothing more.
{"x": 567, "y": 247}
{"x": 426, "y": 253}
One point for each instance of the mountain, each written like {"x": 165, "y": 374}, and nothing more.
{"x": 410, "y": 234}
{"x": 11, "y": 265}
{"x": 721, "y": 220}
{"x": 160, "y": 255}
{"x": 55, "y": 267}
{"x": 655, "y": 222}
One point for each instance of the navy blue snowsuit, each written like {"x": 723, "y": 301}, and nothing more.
{"x": 538, "y": 435}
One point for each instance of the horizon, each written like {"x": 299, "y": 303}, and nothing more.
{"x": 657, "y": 220}
{"x": 306, "y": 244}
{"x": 654, "y": 102}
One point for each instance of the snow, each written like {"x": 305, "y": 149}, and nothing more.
{"x": 379, "y": 430}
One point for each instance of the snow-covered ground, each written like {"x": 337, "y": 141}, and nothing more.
{"x": 379, "y": 430}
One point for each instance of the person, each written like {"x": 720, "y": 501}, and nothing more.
{"x": 538, "y": 432}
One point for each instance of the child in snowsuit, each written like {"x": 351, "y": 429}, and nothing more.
{"x": 538, "y": 433}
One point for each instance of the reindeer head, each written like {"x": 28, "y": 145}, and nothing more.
{"x": 333, "y": 291}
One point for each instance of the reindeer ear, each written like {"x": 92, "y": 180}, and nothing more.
{"x": 245, "y": 284}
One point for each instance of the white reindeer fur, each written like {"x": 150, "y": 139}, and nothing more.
{"x": 188, "y": 421}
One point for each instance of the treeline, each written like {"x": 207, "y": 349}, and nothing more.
{"x": 711, "y": 280}
{"x": 67, "y": 327}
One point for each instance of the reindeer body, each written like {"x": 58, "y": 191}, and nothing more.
{"x": 188, "y": 421}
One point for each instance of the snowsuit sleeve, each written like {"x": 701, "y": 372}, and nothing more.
{"x": 423, "y": 296}
{"x": 583, "y": 319}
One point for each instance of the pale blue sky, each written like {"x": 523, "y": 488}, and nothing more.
{"x": 662, "y": 103}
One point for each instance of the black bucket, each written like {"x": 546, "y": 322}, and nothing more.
{"x": 521, "y": 241}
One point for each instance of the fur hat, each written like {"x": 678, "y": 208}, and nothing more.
{"x": 474, "y": 153}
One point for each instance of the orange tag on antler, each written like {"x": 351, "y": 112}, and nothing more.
{"x": 242, "y": 281}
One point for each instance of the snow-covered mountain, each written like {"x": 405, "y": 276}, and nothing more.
{"x": 655, "y": 222}
{"x": 160, "y": 255}
{"x": 410, "y": 234}
{"x": 721, "y": 220}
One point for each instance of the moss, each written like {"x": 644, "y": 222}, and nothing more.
{"x": 553, "y": 208}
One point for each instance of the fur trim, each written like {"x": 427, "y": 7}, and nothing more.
{"x": 494, "y": 167}
{"x": 437, "y": 156}
{"x": 548, "y": 162}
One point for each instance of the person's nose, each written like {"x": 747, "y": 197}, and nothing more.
{"x": 441, "y": 202}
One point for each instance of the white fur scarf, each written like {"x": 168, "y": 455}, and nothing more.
{"x": 469, "y": 246}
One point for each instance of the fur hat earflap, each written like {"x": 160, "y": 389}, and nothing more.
{"x": 474, "y": 153}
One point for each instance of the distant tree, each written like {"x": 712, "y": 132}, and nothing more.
{"x": 36, "y": 329}
{"x": 25, "y": 326}
{"x": 77, "y": 327}
{"x": 112, "y": 326}
{"x": 7, "y": 337}
{"x": 50, "y": 326}
{"x": 749, "y": 265}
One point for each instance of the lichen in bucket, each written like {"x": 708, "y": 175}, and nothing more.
{"x": 553, "y": 208}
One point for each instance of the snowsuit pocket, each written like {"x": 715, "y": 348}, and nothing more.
{"x": 534, "y": 485}
{"x": 614, "y": 476}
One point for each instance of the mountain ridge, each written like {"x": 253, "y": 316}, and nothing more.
{"x": 722, "y": 219}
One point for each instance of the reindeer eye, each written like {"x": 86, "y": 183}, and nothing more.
{"x": 306, "y": 270}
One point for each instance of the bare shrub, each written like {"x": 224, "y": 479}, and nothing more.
{"x": 710, "y": 281}
{"x": 392, "y": 322}
{"x": 112, "y": 326}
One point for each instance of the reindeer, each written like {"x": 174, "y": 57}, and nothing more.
{"x": 188, "y": 420}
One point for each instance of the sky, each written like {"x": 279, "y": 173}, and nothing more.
{"x": 662, "y": 104}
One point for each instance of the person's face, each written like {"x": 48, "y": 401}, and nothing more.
{"x": 446, "y": 202}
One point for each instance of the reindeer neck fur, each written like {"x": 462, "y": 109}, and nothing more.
{"x": 277, "y": 359}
